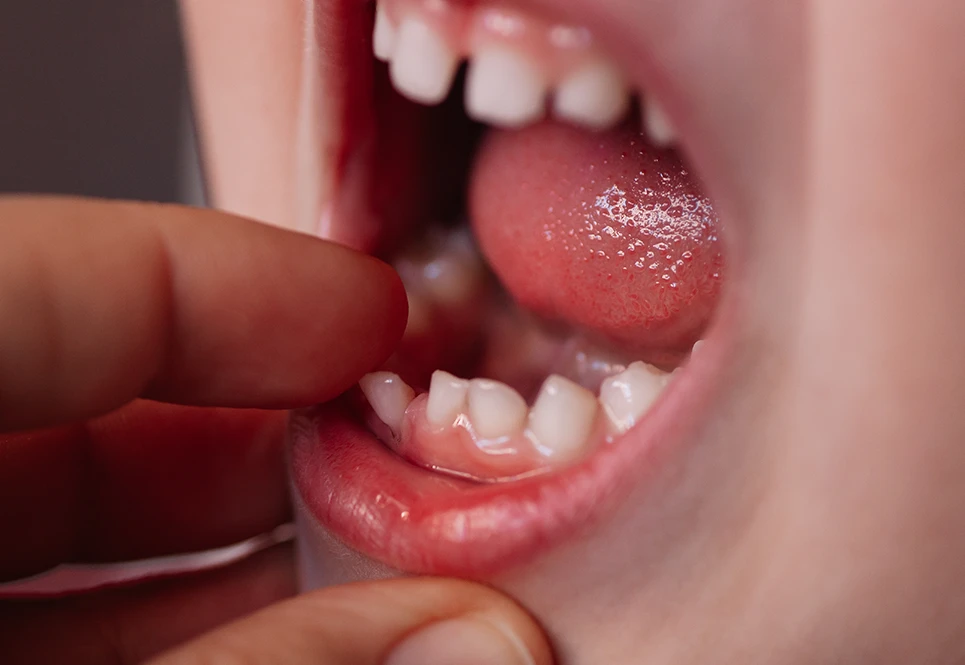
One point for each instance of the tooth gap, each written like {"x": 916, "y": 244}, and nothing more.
{"x": 517, "y": 63}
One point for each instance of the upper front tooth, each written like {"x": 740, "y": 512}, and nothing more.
{"x": 495, "y": 409}
{"x": 447, "y": 398}
{"x": 562, "y": 418}
{"x": 383, "y": 39}
{"x": 594, "y": 95}
{"x": 423, "y": 65}
{"x": 657, "y": 124}
{"x": 505, "y": 88}
{"x": 389, "y": 396}
{"x": 628, "y": 395}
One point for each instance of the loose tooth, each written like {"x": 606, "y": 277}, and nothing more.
{"x": 447, "y": 398}
{"x": 383, "y": 40}
{"x": 657, "y": 124}
{"x": 495, "y": 409}
{"x": 594, "y": 96}
{"x": 389, "y": 396}
{"x": 562, "y": 418}
{"x": 628, "y": 395}
{"x": 504, "y": 88}
{"x": 423, "y": 66}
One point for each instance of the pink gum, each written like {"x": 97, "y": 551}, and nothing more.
{"x": 456, "y": 450}
{"x": 469, "y": 28}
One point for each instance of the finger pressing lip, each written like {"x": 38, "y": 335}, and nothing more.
{"x": 104, "y": 302}
{"x": 149, "y": 480}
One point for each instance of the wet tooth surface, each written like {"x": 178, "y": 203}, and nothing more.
{"x": 594, "y": 96}
{"x": 495, "y": 409}
{"x": 628, "y": 395}
{"x": 447, "y": 398}
{"x": 657, "y": 124}
{"x": 562, "y": 418}
{"x": 423, "y": 66}
{"x": 383, "y": 40}
{"x": 505, "y": 89}
{"x": 389, "y": 396}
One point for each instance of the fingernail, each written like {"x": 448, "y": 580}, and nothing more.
{"x": 461, "y": 642}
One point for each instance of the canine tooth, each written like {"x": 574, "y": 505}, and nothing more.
{"x": 495, "y": 409}
{"x": 447, "y": 398}
{"x": 657, "y": 124}
{"x": 562, "y": 417}
{"x": 594, "y": 96}
{"x": 505, "y": 88}
{"x": 384, "y": 36}
{"x": 423, "y": 66}
{"x": 389, "y": 396}
{"x": 628, "y": 395}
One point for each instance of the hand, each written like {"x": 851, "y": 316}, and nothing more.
{"x": 107, "y": 305}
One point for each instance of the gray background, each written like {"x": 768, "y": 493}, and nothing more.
{"x": 93, "y": 100}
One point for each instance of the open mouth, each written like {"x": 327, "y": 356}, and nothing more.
{"x": 563, "y": 266}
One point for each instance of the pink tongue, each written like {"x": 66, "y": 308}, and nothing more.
{"x": 601, "y": 231}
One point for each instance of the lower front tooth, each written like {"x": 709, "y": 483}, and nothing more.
{"x": 628, "y": 395}
{"x": 423, "y": 66}
{"x": 495, "y": 409}
{"x": 594, "y": 96}
{"x": 447, "y": 398}
{"x": 505, "y": 88}
{"x": 389, "y": 396}
{"x": 562, "y": 418}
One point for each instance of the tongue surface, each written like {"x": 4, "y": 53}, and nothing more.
{"x": 600, "y": 231}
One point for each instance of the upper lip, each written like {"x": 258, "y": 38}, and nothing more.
{"x": 415, "y": 520}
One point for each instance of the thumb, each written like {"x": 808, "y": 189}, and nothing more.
{"x": 395, "y": 622}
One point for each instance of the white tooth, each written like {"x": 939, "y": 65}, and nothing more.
{"x": 657, "y": 124}
{"x": 447, "y": 398}
{"x": 595, "y": 96}
{"x": 505, "y": 88}
{"x": 628, "y": 395}
{"x": 383, "y": 39}
{"x": 495, "y": 409}
{"x": 562, "y": 418}
{"x": 389, "y": 396}
{"x": 451, "y": 279}
{"x": 423, "y": 66}
{"x": 698, "y": 345}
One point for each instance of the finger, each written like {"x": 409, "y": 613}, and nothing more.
{"x": 395, "y": 622}
{"x": 129, "y": 625}
{"x": 102, "y": 302}
{"x": 148, "y": 480}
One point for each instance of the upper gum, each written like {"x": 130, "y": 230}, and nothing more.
{"x": 556, "y": 48}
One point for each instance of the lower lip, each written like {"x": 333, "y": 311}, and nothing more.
{"x": 412, "y": 519}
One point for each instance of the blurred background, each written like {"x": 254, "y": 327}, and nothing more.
{"x": 93, "y": 100}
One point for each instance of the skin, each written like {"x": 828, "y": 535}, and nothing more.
{"x": 816, "y": 513}
{"x": 135, "y": 423}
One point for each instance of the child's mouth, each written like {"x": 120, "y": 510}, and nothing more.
{"x": 561, "y": 263}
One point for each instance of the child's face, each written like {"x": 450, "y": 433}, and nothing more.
{"x": 806, "y": 500}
